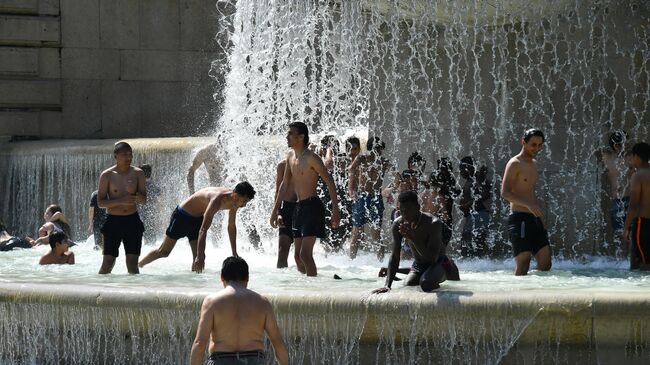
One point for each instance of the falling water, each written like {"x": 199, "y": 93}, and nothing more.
{"x": 446, "y": 78}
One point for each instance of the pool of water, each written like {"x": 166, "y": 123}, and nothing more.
{"x": 173, "y": 273}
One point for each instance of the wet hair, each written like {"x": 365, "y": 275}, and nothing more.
{"x": 618, "y": 136}
{"x": 642, "y": 150}
{"x": 146, "y": 168}
{"x": 53, "y": 208}
{"x": 375, "y": 144}
{"x": 57, "y": 236}
{"x": 302, "y": 129}
{"x": 408, "y": 197}
{"x": 415, "y": 157}
{"x": 244, "y": 188}
{"x": 353, "y": 141}
{"x": 121, "y": 147}
{"x": 467, "y": 160}
{"x": 533, "y": 132}
{"x": 234, "y": 268}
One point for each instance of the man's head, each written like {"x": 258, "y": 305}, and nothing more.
{"x": 298, "y": 135}
{"x": 617, "y": 140}
{"x": 409, "y": 206}
{"x": 50, "y": 210}
{"x": 352, "y": 146}
{"x": 466, "y": 167}
{"x": 59, "y": 239}
{"x": 417, "y": 162}
{"x": 234, "y": 268}
{"x": 640, "y": 154}
{"x": 243, "y": 193}
{"x": 532, "y": 142}
{"x": 376, "y": 145}
{"x": 146, "y": 168}
{"x": 123, "y": 153}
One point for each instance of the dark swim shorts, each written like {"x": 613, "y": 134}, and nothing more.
{"x": 368, "y": 208}
{"x": 255, "y": 357}
{"x": 640, "y": 232}
{"x": 286, "y": 212}
{"x": 14, "y": 242}
{"x": 183, "y": 224}
{"x": 309, "y": 218}
{"x": 527, "y": 233}
{"x": 122, "y": 228}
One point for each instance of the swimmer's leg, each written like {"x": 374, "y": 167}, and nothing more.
{"x": 522, "y": 262}
{"x": 307, "y": 255}
{"x": 107, "y": 264}
{"x": 413, "y": 279}
{"x": 163, "y": 250}
{"x": 543, "y": 258}
{"x": 132, "y": 263}
{"x": 296, "y": 255}
{"x": 354, "y": 242}
{"x": 432, "y": 278}
{"x": 284, "y": 245}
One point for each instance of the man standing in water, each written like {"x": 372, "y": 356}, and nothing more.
{"x": 638, "y": 215}
{"x": 527, "y": 233}
{"x": 423, "y": 233}
{"x": 285, "y": 219}
{"x": 236, "y": 319}
{"x": 368, "y": 206}
{"x": 193, "y": 217}
{"x": 121, "y": 188}
{"x": 303, "y": 169}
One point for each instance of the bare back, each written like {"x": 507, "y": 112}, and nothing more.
{"x": 641, "y": 188}
{"x": 239, "y": 320}
{"x": 198, "y": 202}
{"x": 303, "y": 175}
{"x": 117, "y": 185}
{"x": 616, "y": 173}
{"x": 521, "y": 176}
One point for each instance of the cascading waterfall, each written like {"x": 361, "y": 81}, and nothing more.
{"x": 448, "y": 79}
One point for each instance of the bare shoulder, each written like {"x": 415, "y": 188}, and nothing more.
{"x": 282, "y": 164}
{"x": 107, "y": 172}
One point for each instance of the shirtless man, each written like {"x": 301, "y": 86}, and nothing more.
{"x": 236, "y": 319}
{"x": 60, "y": 253}
{"x": 210, "y": 156}
{"x": 423, "y": 233}
{"x": 368, "y": 207}
{"x": 121, "y": 188}
{"x": 303, "y": 169}
{"x": 193, "y": 217}
{"x": 616, "y": 170}
{"x": 285, "y": 218}
{"x": 527, "y": 233}
{"x": 638, "y": 215}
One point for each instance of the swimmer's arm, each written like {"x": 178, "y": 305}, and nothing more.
{"x": 279, "y": 175}
{"x": 45, "y": 230}
{"x": 353, "y": 181}
{"x": 197, "y": 161}
{"x": 232, "y": 230}
{"x": 319, "y": 167}
{"x": 202, "y": 333}
{"x": 141, "y": 193}
{"x": 273, "y": 332}
{"x": 281, "y": 191}
{"x": 208, "y": 216}
{"x": 91, "y": 215}
{"x": 393, "y": 262}
{"x": 70, "y": 260}
{"x": 635, "y": 202}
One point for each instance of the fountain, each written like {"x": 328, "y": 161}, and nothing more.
{"x": 445, "y": 78}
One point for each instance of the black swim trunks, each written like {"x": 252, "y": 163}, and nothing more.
{"x": 14, "y": 242}
{"x": 640, "y": 232}
{"x": 122, "y": 228}
{"x": 183, "y": 224}
{"x": 309, "y": 218}
{"x": 527, "y": 233}
{"x": 286, "y": 212}
{"x": 255, "y": 357}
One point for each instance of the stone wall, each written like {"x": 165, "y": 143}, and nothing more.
{"x": 107, "y": 68}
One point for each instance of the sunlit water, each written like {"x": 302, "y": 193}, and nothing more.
{"x": 591, "y": 274}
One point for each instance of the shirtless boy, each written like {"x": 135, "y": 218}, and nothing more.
{"x": 302, "y": 170}
{"x": 365, "y": 189}
{"x": 236, "y": 319}
{"x": 193, "y": 217}
{"x": 121, "y": 188}
{"x": 423, "y": 233}
{"x": 638, "y": 215}
{"x": 285, "y": 218}
{"x": 527, "y": 233}
{"x": 59, "y": 253}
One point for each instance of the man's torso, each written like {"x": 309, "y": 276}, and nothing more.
{"x": 305, "y": 178}
{"x": 119, "y": 186}
{"x": 526, "y": 177}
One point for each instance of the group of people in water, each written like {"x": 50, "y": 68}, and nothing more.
{"x": 302, "y": 213}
